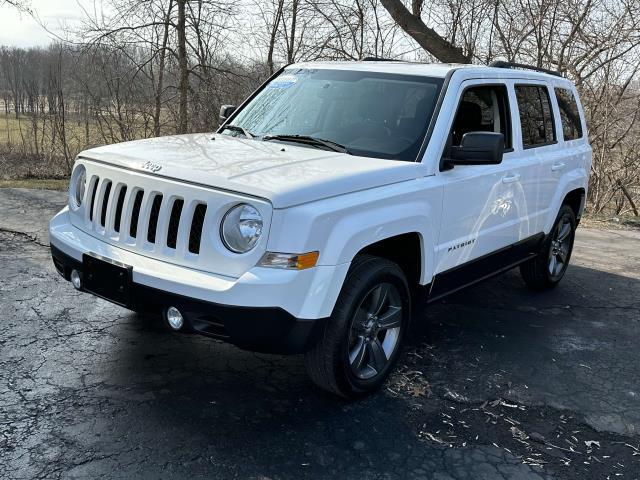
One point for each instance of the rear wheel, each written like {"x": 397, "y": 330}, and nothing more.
{"x": 547, "y": 269}
{"x": 362, "y": 338}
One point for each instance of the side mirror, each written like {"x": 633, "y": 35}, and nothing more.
{"x": 477, "y": 148}
{"x": 225, "y": 112}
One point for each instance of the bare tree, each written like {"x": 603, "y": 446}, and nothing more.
{"x": 154, "y": 67}
{"x": 183, "y": 88}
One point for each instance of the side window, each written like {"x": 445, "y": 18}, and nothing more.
{"x": 483, "y": 109}
{"x": 569, "y": 114}
{"x": 536, "y": 118}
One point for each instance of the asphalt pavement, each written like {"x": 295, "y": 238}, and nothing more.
{"x": 496, "y": 382}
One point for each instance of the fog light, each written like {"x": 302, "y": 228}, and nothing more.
{"x": 174, "y": 318}
{"x": 76, "y": 281}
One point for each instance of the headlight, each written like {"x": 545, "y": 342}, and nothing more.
{"x": 77, "y": 186}
{"x": 241, "y": 228}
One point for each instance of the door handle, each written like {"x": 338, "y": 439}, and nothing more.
{"x": 556, "y": 167}
{"x": 511, "y": 178}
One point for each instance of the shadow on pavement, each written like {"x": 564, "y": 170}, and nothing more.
{"x": 259, "y": 415}
{"x": 91, "y": 390}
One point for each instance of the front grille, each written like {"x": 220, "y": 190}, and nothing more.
{"x": 135, "y": 214}
{"x": 195, "y": 235}
{"x": 140, "y": 205}
{"x": 166, "y": 220}
{"x": 153, "y": 218}
{"x": 94, "y": 190}
{"x": 119, "y": 205}
{"x": 105, "y": 203}
{"x": 174, "y": 222}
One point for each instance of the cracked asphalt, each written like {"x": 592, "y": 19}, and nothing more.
{"x": 496, "y": 382}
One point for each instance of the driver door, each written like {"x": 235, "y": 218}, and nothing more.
{"x": 485, "y": 207}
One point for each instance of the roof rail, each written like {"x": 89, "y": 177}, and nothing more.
{"x": 378, "y": 59}
{"x": 502, "y": 64}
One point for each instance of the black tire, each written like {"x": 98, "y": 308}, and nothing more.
{"x": 328, "y": 363}
{"x": 538, "y": 273}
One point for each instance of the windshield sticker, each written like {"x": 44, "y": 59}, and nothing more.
{"x": 284, "y": 81}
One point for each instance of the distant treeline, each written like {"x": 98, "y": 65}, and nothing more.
{"x": 109, "y": 93}
{"x": 139, "y": 69}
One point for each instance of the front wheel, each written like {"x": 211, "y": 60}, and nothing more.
{"x": 362, "y": 338}
{"x": 549, "y": 266}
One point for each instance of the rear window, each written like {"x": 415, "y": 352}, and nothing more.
{"x": 569, "y": 114}
{"x": 536, "y": 117}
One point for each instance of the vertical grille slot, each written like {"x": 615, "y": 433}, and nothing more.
{"x": 174, "y": 222}
{"x": 119, "y": 205}
{"x": 135, "y": 213}
{"x": 105, "y": 203}
{"x": 196, "y": 228}
{"x": 94, "y": 190}
{"x": 153, "y": 218}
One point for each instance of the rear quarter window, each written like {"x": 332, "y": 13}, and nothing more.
{"x": 536, "y": 117}
{"x": 569, "y": 114}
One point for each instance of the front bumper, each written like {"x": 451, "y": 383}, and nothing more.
{"x": 266, "y": 309}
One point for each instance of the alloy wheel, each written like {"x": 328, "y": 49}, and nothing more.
{"x": 375, "y": 331}
{"x": 560, "y": 247}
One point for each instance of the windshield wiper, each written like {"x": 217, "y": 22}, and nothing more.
{"x": 236, "y": 128}
{"x": 317, "y": 142}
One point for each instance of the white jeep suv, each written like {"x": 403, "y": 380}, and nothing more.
{"x": 308, "y": 220}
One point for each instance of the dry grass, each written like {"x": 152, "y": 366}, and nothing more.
{"x": 15, "y": 165}
{"x": 37, "y": 183}
{"x": 33, "y": 151}
{"x": 21, "y": 131}
{"x": 29, "y": 149}
{"x": 610, "y": 222}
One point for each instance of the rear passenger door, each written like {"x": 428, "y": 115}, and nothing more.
{"x": 569, "y": 154}
{"x": 539, "y": 146}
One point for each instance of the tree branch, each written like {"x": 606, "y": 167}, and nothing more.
{"x": 426, "y": 37}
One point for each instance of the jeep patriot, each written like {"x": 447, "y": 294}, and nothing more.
{"x": 308, "y": 221}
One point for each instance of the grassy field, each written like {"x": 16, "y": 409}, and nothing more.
{"x": 22, "y": 132}
{"x": 31, "y": 149}
{"x": 35, "y": 151}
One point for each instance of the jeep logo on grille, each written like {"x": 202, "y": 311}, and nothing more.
{"x": 152, "y": 167}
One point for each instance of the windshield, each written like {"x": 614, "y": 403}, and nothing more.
{"x": 371, "y": 114}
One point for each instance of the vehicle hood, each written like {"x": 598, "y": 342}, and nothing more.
{"x": 284, "y": 174}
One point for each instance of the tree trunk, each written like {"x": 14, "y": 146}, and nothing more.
{"x": 183, "y": 88}
{"x": 294, "y": 19}
{"x": 426, "y": 37}
{"x": 160, "y": 86}
{"x": 274, "y": 33}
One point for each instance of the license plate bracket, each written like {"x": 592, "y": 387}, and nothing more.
{"x": 107, "y": 278}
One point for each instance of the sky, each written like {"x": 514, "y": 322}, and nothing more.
{"x": 21, "y": 29}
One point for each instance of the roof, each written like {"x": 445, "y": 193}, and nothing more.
{"x": 438, "y": 70}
